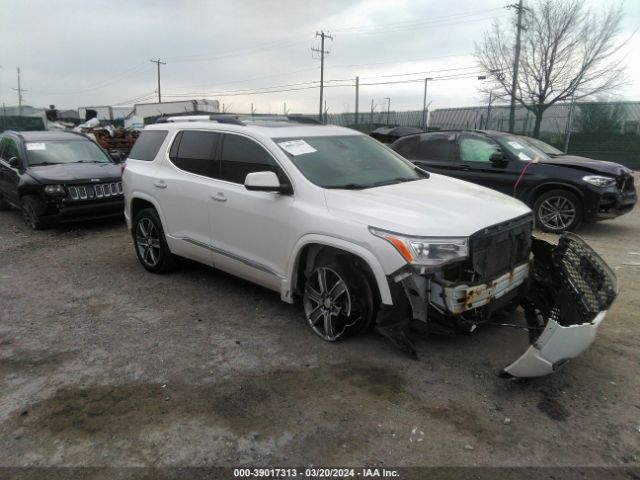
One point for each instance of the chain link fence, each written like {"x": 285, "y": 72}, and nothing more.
{"x": 600, "y": 130}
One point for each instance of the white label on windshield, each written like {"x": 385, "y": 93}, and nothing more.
{"x": 524, "y": 156}
{"x": 516, "y": 145}
{"x": 297, "y": 147}
{"x": 36, "y": 146}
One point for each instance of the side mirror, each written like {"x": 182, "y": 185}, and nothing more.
{"x": 498, "y": 159}
{"x": 265, "y": 182}
{"x": 116, "y": 156}
{"x": 14, "y": 162}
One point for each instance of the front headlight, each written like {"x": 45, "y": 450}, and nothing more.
{"x": 54, "y": 190}
{"x": 599, "y": 180}
{"x": 426, "y": 251}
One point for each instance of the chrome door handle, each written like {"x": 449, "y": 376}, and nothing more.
{"x": 219, "y": 197}
{"x": 160, "y": 184}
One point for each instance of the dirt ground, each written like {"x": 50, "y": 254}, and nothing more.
{"x": 104, "y": 364}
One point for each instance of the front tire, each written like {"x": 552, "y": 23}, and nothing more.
{"x": 337, "y": 299}
{"x": 32, "y": 210}
{"x": 558, "y": 211}
{"x": 150, "y": 243}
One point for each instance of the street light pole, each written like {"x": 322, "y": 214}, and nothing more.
{"x": 388, "y": 99}
{"x": 424, "y": 105}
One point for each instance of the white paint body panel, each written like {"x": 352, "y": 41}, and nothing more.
{"x": 556, "y": 345}
{"x": 252, "y": 229}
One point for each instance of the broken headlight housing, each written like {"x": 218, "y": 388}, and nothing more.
{"x": 54, "y": 190}
{"x": 426, "y": 251}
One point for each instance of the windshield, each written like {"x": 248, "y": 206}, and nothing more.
{"x": 65, "y": 151}
{"x": 545, "y": 147}
{"x": 520, "y": 147}
{"x": 352, "y": 162}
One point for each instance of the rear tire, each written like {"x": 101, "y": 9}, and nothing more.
{"x": 32, "y": 210}
{"x": 558, "y": 211}
{"x": 150, "y": 243}
{"x": 338, "y": 300}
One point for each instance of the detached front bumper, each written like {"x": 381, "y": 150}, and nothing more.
{"x": 555, "y": 346}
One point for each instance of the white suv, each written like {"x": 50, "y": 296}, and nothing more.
{"x": 361, "y": 235}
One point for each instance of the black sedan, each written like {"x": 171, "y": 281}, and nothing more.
{"x": 562, "y": 190}
{"x": 57, "y": 176}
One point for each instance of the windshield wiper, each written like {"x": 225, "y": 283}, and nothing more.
{"x": 393, "y": 181}
{"x": 349, "y": 186}
{"x": 43, "y": 163}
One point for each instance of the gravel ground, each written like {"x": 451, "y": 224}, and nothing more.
{"x": 104, "y": 364}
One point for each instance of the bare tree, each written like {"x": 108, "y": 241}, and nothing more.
{"x": 568, "y": 52}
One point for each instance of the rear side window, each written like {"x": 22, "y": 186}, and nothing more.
{"x": 193, "y": 151}
{"x": 406, "y": 147}
{"x": 436, "y": 146}
{"x": 241, "y": 156}
{"x": 148, "y": 144}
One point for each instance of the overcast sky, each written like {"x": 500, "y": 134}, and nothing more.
{"x": 75, "y": 53}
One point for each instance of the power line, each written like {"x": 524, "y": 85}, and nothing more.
{"x": 414, "y": 22}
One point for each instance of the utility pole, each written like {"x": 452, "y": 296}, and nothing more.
{"x": 357, "y": 97}
{"x": 373, "y": 107}
{"x": 388, "y": 108}
{"x": 253, "y": 112}
{"x": 322, "y": 53}
{"x": 20, "y": 90}
{"x": 516, "y": 65}
{"x": 158, "y": 63}
{"x": 424, "y": 104}
{"x": 326, "y": 112}
{"x": 285, "y": 109}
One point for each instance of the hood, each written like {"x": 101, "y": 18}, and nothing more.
{"x": 75, "y": 172}
{"x": 586, "y": 164}
{"x": 436, "y": 206}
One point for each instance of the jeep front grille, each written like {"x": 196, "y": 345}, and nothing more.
{"x": 94, "y": 191}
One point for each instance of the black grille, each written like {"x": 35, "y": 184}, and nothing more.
{"x": 626, "y": 183}
{"x": 585, "y": 276}
{"x": 499, "y": 248}
{"x": 94, "y": 191}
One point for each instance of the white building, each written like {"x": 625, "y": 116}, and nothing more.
{"x": 145, "y": 110}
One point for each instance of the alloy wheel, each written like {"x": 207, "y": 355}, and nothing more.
{"x": 148, "y": 241}
{"x": 557, "y": 213}
{"x": 328, "y": 304}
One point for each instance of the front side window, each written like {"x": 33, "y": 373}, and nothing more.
{"x": 51, "y": 152}
{"x": 193, "y": 151}
{"x": 475, "y": 148}
{"x": 241, "y": 155}
{"x": 406, "y": 146}
{"x": 351, "y": 162}
{"x": 8, "y": 149}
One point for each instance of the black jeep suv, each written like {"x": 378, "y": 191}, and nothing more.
{"x": 562, "y": 190}
{"x": 57, "y": 176}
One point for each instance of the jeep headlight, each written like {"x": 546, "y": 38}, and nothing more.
{"x": 54, "y": 190}
{"x": 426, "y": 251}
{"x": 599, "y": 180}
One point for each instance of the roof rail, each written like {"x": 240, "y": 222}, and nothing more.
{"x": 201, "y": 118}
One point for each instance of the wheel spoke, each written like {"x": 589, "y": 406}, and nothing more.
{"x": 315, "y": 315}
{"x": 337, "y": 290}
{"x": 142, "y": 228}
{"x": 314, "y": 295}
{"x": 322, "y": 280}
{"x": 328, "y": 326}
{"x": 153, "y": 255}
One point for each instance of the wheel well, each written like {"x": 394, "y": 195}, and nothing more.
{"x": 311, "y": 252}
{"x": 548, "y": 187}
{"x": 138, "y": 204}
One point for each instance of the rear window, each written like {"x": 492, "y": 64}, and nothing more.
{"x": 148, "y": 144}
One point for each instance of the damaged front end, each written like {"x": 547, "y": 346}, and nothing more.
{"x": 565, "y": 291}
